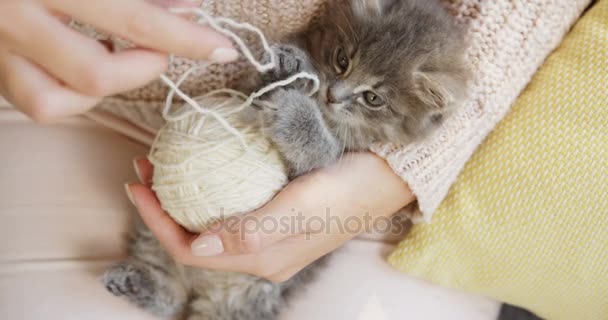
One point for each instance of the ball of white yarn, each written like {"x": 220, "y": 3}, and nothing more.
{"x": 202, "y": 171}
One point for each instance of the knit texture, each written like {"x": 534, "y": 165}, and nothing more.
{"x": 509, "y": 40}
{"x": 526, "y": 222}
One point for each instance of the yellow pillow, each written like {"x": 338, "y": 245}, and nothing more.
{"x": 527, "y": 220}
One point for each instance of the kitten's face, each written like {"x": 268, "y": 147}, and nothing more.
{"x": 388, "y": 71}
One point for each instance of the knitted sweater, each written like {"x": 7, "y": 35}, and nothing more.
{"x": 508, "y": 41}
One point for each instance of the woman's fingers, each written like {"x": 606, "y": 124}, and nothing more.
{"x": 286, "y": 274}
{"x": 292, "y": 230}
{"x": 177, "y": 3}
{"x": 290, "y": 254}
{"x": 151, "y": 27}
{"x": 83, "y": 63}
{"x": 143, "y": 170}
{"x": 275, "y": 262}
{"x": 252, "y": 233}
{"x": 36, "y": 93}
{"x": 361, "y": 183}
{"x": 168, "y": 4}
{"x": 49, "y": 70}
{"x": 175, "y": 239}
{"x": 332, "y": 201}
{"x": 280, "y": 219}
{"x": 315, "y": 204}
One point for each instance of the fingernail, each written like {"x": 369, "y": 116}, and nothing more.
{"x": 176, "y": 3}
{"x": 207, "y": 246}
{"x": 223, "y": 55}
{"x": 136, "y": 168}
{"x": 186, "y": 2}
{"x": 129, "y": 193}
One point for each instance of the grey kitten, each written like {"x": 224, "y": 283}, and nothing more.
{"x": 390, "y": 72}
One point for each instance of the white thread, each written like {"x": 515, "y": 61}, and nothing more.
{"x": 207, "y": 161}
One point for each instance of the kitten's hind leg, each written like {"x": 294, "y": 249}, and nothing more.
{"x": 234, "y": 296}
{"x": 146, "y": 287}
{"x": 148, "y": 278}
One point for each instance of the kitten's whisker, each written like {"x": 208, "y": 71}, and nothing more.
{"x": 350, "y": 26}
{"x": 342, "y": 136}
{"x": 344, "y": 141}
{"x": 350, "y": 138}
{"x": 345, "y": 138}
{"x": 341, "y": 30}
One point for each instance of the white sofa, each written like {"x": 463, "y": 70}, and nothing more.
{"x": 63, "y": 217}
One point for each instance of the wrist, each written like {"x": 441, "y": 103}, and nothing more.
{"x": 369, "y": 182}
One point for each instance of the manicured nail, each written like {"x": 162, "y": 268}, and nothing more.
{"x": 187, "y": 2}
{"x": 207, "y": 246}
{"x": 224, "y": 55}
{"x": 136, "y": 168}
{"x": 177, "y": 3}
{"x": 129, "y": 193}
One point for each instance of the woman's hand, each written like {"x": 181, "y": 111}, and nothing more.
{"x": 312, "y": 216}
{"x": 49, "y": 71}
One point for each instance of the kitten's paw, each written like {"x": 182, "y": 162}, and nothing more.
{"x": 130, "y": 280}
{"x": 289, "y": 61}
{"x": 149, "y": 287}
{"x": 297, "y": 128}
{"x": 289, "y": 108}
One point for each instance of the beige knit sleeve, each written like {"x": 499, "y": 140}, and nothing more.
{"x": 509, "y": 41}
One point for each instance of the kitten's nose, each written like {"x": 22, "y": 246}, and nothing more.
{"x": 331, "y": 98}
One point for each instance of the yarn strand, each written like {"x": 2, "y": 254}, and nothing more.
{"x": 204, "y": 18}
{"x": 208, "y": 162}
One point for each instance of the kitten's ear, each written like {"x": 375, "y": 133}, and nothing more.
{"x": 371, "y": 8}
{"x": 438, "y": 90}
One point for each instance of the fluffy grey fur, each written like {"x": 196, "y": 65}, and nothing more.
{"x": 151, "y": 279}
{"x": 390, "y": 71}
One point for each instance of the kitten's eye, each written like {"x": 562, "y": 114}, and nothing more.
{"x": 372, "y": 99}
{"x": 342, "y": 62}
